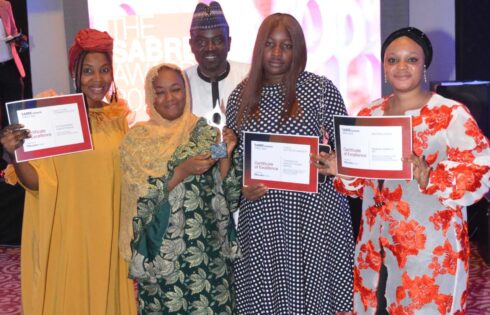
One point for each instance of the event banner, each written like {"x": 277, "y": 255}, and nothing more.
{"x": 373, "y": 147}
{"x": 146, "y": 32}
{"x": 58, "y": 125}
{"x": 280, "y": 161}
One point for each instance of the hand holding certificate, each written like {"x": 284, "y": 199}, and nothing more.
{"x": 374, "y": 147}
{"x": 280, "y": 161}
{"x": 58, "y": 125}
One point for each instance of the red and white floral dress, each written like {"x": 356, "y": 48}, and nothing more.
{"x": 422, "y": 232}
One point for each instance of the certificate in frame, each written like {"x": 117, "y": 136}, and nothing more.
{"x": 280, "y": 161}
{"x": 59, "y": 125}
{"x": 373, "y": 147}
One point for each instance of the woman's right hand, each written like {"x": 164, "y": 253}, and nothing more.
{"x": 254, "y": 192}
{"x": 12, "y": 137}
{"x": 197, "y": 165}
{"x": 231, "y": 140}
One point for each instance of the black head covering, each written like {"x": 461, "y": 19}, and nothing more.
{"x": 208, "y": 17}
{"x": 416, "y": 35}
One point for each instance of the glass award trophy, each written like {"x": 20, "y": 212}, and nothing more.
{"x": 217, "y": 118}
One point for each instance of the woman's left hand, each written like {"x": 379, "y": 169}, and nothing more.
{"x": 230, "y": 139}
{"x": 326, "y": 163}
{"x": 421, "y": 170}
{"x": 12, "y": 137}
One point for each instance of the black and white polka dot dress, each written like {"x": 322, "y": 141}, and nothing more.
{"x": 297, "y": 247}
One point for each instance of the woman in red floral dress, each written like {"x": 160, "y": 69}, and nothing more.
{"x": 418, "y": 228}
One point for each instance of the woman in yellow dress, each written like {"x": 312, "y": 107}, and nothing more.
{"x": 70, "y": 262}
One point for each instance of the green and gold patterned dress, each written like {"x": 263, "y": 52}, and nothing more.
{"x": 184, "y": 239}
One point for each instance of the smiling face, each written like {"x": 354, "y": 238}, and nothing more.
{"x": 169, "y": 89}
{"x": 404, "y": 64}
{"x": 210, "y": 48}
{"x": 278, "y": 55}
{"x": 96, "y": 77}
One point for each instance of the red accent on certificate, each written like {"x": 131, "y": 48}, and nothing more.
{"x": 58, "y": 125}
{"x": 280, "y": 161}
{"x": 373, "y": 147}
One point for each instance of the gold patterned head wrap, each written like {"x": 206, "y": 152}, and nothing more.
{"x": 147, "y": 148}
{"x": 174, "y": 132}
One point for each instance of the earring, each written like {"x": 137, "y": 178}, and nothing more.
{"x": 114, "y": 92}
{"x": 425, "y": 74}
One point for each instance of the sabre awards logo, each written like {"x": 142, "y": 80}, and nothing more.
{"x": 142, "y": 41}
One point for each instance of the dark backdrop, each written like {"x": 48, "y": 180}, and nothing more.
{"x": 472, "y": 40}
{"x": 12, "y": 197}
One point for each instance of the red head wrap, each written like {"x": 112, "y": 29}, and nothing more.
{"x": 89, "y": 40}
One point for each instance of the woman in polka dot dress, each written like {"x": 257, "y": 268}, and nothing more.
{"x": 297, "y": 247}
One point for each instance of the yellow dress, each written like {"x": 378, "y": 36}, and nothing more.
{"x": 70, "y": 262}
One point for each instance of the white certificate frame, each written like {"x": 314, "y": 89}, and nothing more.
{"x": 365, "y": 143}
{"x": 59, "y": 125}
{"x": 276, "y": 171}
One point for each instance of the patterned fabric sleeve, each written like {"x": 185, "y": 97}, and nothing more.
{"x": 154, "y": 207}
{"x": 232, "y": 183}
{"x": 464, "y": 177}
{"x": 350, "y": 187}
{"x": 149, "y": 226}
{"x": 142, "y": 207}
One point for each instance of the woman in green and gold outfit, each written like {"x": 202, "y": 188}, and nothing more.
{"x": 182, "y": 234}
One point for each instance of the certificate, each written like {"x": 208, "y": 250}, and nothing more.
{"x": 58, "y": 125}
{"x": 373, "y": 147}
{"x": 280, "y": 161}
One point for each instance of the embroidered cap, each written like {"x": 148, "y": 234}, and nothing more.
{"x": 208, "y": 17}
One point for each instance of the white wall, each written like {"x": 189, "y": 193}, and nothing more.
{"x": 49, "y": 61}
{"x": 437, "y": 19}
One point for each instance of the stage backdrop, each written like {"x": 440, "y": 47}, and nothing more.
{"x": 343, "y": 39}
